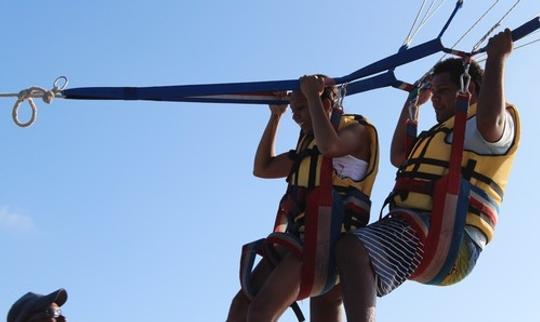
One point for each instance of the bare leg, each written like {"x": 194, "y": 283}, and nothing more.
{"x": 278, "y": 292}
{"x": 240, "y": 303}
{"x": 327, "y": 307}
{"x": 357, "y": 280}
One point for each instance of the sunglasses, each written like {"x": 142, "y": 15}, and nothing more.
{"x": 49, "y": 313}
{"x": 53, "y": 312}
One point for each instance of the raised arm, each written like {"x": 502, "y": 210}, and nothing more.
{"x": 267, "y": 164}
{"x": 329, "y": 142}
{"x": 398, "y": 151}
{"x": 491, "y": 100}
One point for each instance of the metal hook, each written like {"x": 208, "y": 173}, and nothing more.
{"x": 342, "y": 94}
{"x": 60, "y": 83}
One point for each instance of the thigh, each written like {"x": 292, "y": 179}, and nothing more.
{"x": 465, "y": 261}
{"x": 238, "y": 309}
{"x": 260, "y": 274}
{"x": 326, "y": 307}
{"x": 280, "y": 289}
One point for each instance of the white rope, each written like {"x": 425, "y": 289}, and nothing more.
{"x": 471, "y": 28}
{"x": 428, "y": 17}
{"x": 35, "y": 92}
{"x": 409, "y": 37}
{"x": 418, "y": 22}
{"x": 474, "y": 24}
{"x": 490, "y": 31}
{"x": 527, "y": 44}
{"x": 483, "y": 57}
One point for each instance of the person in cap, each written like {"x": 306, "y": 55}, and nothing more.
{"x": 33, "y": 307}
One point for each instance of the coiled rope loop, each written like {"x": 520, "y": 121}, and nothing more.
{"x": 37, "y": 92}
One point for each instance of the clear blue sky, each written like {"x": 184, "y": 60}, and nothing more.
{"x": 139, "y": 209}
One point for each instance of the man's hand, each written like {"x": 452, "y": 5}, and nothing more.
{"x": 423, "y": 95}
{"x": 500, "y": 45}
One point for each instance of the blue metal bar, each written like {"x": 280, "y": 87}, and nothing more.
{"x": 382, "y": 80}
{"x": 405, "y": 56}
{"x": 458, "y": 6}
{"x": 248, "y": 92}
{"x": 182, "y": 92}
{"x": 176, "y": 93}
{"x": 520, "y": 32}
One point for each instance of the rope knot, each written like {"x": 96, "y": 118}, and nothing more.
{"x": 34, "y": 92}
{"x": 48, "y": 96}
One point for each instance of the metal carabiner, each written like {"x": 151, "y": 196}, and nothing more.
{"x": 465, "y": 79}
{"x": 342, "y": 94}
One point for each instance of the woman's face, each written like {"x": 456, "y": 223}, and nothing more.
{"x": 300, "y": 111}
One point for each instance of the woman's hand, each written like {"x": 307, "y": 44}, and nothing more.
{"x": 279, "y": 109}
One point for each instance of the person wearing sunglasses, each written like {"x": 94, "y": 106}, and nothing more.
{"x": 33, "y": 307}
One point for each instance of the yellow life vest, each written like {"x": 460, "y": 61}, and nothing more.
{"x": 355, "y": 193}
{"x": 317, "y": 207}
{"x": 488, "y": 174}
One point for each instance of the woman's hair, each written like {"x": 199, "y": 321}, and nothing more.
{"x": 331, "y": 92}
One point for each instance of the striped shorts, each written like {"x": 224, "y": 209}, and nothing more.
{"x": 396, "y": 250}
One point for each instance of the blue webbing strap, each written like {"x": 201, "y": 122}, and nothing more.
{"x": 381, "y": 80}
{"x": 237, "y": 92}
{"x": 211, "y": 93}
{"x": 520, "y": 32}
{"x": 177, "y": 93}
{"x": 197, "y": 93}
{"x": 401, "y": 58}
{"x": 259, "y": 92}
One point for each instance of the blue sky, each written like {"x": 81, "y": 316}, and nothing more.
{"x": 139, "y": 209}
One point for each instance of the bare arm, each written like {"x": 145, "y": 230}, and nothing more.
{"x": 267, "y": 164}
{"x": 398, "y": 151}
{"x": 329, "y": 142}
{"x": 491, "y": 101}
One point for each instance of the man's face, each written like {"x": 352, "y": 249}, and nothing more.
{"x": 443, "y": 96}
{"x": 50, "y": 314}
{"x": 300, "y": 111}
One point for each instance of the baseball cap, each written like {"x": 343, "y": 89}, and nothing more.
{"x": 32, "y": 302}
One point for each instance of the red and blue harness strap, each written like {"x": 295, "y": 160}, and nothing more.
{"x": 450, "y": 207}
{"x": 264, "y": 248}
{"x": 317, "y": 235}
{"x": 322, "y": 227}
